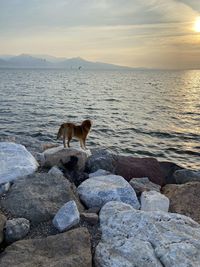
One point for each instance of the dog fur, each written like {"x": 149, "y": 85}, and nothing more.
{"x": 69, "y": 130}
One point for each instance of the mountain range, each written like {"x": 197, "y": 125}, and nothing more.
{"x": 46, "y": 61}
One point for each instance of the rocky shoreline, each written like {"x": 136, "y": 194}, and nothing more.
{"x": 70, "y": 207}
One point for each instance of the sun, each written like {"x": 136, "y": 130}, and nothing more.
{"x": 197, "y": 25}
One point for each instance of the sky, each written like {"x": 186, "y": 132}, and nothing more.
{"x": 136, "y": 33}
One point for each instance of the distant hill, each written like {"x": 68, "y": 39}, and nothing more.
{"x": 30, "y": 61}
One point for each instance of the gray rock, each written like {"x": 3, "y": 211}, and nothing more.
{"x": 16, "y": 229}
{"x": 4, "y": 188}
{"x": 100, "y": 159}
{"x": 99, "y": 172}
{"x": 185, "y": 176}
{"x": 154, "y": 201}
{"x": 91, "y": 218}
{"x": 67, "y": 216}
{"x": 55, "y": 171}
{"x": 54, "y": 156}
{"x": 143, "y": 184}
{"x": 97, "y": 191}
{"x": 38, "y": 197}
{"x": 154, "y": 239}
{"x": 2, "y": 224}
{"x": 71, "y": 249}
{"x": 15, "y": 162}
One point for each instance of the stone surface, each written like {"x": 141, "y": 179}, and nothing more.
{"x": 184, "y": 199}
{"x": 185, "y": 176}
{"x": 97, "y": 191}
{"x": 15, "y": 162}
{"x": 100, "y": 159}
{"x": 154, "y": 201}
{"x": 168, "y": 169}
{"x": 131, "y": 167}
{"x": 58, "y": 155}
{"x": 71, "y": 249}
{"x": 67, "y": 216}
{"x": 154, "y": 239}
{"x": 91, "y": 218}
{"x": 2, "y": 224}
{"x": 143, "y": 184}
{"x": 99, "y": 172}
{"x": 55, "y": 171}
{"x": 16, "y": 229}
{"x": 4, "y": 188}
{"x": 38, "y": 197}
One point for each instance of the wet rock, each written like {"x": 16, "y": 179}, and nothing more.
{"x": 97, "y": 191}
{"x": 131, "y": 167}
{"x": 16, "y": 229}
{"x": 2, "y": 224}
{"x": 55, "y": 171}
{"x": 138, "y": 238}
{"x": 67, "y": 216}
{"x": 143, "y": 184}
{"x": 15, "y": 162}
{"x": 71, "y": 248}
{"x": 38, "y": 197}
{"x": 99, "y": 172}
{"x": 185, "y": 176}
{"x": 154, "y": 201}
{"x": 184, "y": 199}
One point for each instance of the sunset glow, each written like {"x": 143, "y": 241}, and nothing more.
{"x": 197, "y": 25}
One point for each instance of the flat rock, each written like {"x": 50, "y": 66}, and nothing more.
{"x": 2, "y": 224}
{"x": 71, "y": 249}
{"x": 98, "y": 190}
{"x": 138, "y": 238}
{"x": 143, "y": 184}
{"x": 58, "y": 155}
{"x": 67, "y": 216}
{"x": 38, "y": 197}
{"x": 184, "y": 199}
{"x": 154, "y": 201}
{"x": 15, "y": 162}
{"x": 131, "y": 167}
{"x": 16, "y": 229}
{"x": 185, "y": 176}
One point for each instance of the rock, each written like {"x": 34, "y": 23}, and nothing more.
{"x": 2, "y": 224}
{"x": 154, "y": 201}
{"x": 40, "y": 158}
{"x": 184, "y": 199}
{"x": 16, "y": 229}
{"x": 91, "y": 218}
{"x": 55, "y": 171}
{"x": 97, "y": 191}
{"x": 168, "y": 169}
{"x": 58, "y": 155}
{"x": 71, "y": 248}
{"x": 99, "y": 172}
{"x": 138, "y": 238}
{"x": 100, "y": 159}
{"x": 130, "y": 167}
{"x": 4, "y": 188}
{"x": 15, "y": 162}
{"x": 67, "y": 216}
{"x": 185, "y": 176}
{"x": 38, "y": 197}
{"x": 143, "y": 184}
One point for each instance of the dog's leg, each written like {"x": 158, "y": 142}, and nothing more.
{"x": 68, "y": 140}
{"x": 84, "y": 139}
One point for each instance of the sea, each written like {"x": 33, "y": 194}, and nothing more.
{"x": 143, "y": 113}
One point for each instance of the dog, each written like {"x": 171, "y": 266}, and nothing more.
{"x": 69, "y": 130}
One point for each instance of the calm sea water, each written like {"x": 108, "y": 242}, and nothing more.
{"x": 142, "y": 113}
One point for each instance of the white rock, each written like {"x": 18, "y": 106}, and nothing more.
{"x": 15, "y": 162}
{"x": 55, "y": 171}
{"x": 99, "y": 172}
{"x": 146, "y": 239}
{"x": 154, "y": 201}
{"x": 98, "y": 190}
{"x": 67, "y": 216}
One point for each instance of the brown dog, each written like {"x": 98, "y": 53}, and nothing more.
{"x": 69, "y": 130}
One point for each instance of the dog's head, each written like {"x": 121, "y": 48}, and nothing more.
{"x": 60, "y": 131}
{"x": 87, "y": 124}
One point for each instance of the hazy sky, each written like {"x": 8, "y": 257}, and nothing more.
{"x": 144, "y": 33}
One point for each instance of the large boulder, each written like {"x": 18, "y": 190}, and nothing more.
{"x": 58, "y": 156}
{"x": 168, "y": 169}
{"x": 154, "y": 201}
{"x": 131, "y": 167}
{"x": 38, "y": 197}
{"x": 96, "y": 191}
{"x": 70, "y": 249}
{"x": 15, "y": 162}
{"x": 184, "y": 199}
{"x": 2, "y": 224}
{"x": 143, "y": 184}
{"x": 185, "y": 176}
{"x": 138, "y": 238}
